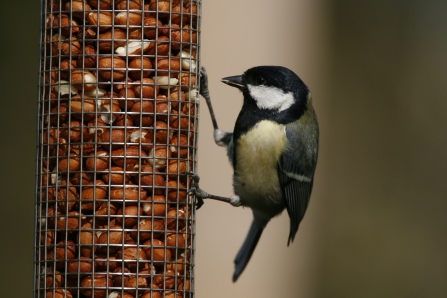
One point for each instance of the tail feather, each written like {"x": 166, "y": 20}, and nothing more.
{"x": 247, "y": 249}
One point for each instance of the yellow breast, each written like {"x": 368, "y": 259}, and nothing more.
{"x": 258, "y": 152}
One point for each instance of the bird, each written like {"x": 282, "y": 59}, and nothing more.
{"x": 273, "y": 150}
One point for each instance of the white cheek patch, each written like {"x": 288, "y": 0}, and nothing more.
{"x": 271, "y": 98}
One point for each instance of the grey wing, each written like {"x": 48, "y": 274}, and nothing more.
{"x": 296, "y": 168}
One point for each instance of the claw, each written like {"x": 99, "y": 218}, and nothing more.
{"x": 199, "y": 203}
{"x": 196, "y": 191}
{"x": 200, "y": 194}
{"x": 191, "y": 191}
{"x": 195, "y": 179}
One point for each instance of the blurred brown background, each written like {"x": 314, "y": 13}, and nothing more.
{"x": 376, "y": 225}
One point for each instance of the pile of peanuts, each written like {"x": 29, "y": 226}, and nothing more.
{"x": 117, "y": 137}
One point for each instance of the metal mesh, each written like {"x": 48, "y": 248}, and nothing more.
{"x": 117, "y": 135}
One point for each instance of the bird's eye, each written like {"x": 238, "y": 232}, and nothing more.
{"x": 260, "y": 80}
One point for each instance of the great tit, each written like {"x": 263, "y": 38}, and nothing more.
{"x": 273, "y": 150}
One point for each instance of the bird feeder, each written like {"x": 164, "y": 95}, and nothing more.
{"x": 117, "y": 126}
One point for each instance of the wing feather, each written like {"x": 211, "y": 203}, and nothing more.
{"x": 295, "y": 171}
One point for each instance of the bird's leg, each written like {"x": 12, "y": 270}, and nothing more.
{"x": 205, "y": 92}
{"x": 200, "y": 194}
{"x": 221, "y": 137}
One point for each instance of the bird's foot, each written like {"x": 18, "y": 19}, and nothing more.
{"x": 201, "y": 194}
{"x": 196, "y": 190}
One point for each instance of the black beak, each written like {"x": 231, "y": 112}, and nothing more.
{"x": 235, "y": 81}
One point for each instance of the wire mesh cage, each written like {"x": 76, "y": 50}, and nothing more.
{"x": 117, "y": 136}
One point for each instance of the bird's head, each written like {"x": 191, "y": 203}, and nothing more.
{"x": 272, "y": 88}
